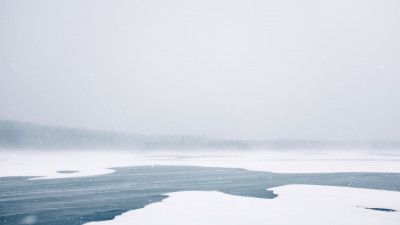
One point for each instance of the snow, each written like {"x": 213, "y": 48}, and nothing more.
{"x": 295, "y": 204}
{"x": 88, "y": 163}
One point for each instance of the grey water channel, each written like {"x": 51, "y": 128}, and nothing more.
{"x": 75, "y": 201}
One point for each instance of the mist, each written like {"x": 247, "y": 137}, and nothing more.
{"x": 230, "y": 69}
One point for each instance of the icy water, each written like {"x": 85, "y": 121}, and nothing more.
{"x": 76, "y": 201}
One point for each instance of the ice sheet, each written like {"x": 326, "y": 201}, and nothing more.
{"x": 47, "y": 163}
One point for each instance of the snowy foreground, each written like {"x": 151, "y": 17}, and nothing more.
{"x": 295, "y": 204}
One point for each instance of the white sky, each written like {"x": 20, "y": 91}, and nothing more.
{"x": 236, "y": 69}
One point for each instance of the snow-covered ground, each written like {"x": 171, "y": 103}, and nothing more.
{"x": 295, "y": 204}
{"x": 47, "y": 163}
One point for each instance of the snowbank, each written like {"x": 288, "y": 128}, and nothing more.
{"x": 295, "y": 204}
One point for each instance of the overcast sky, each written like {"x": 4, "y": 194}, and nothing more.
{"x": 233, "y": 69}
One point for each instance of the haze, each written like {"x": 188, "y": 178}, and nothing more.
{"x": 232, "y": 69}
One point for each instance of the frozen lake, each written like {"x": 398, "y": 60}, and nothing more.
{"x": 96, "y": 198}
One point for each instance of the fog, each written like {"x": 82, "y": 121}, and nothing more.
{"x": 231, "y": 69}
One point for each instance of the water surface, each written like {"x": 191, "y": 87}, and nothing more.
{"x": 74, "y": 201}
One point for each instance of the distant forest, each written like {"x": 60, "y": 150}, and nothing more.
{"x": 19, "y": 135}
{"x": 26, "y": 135}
